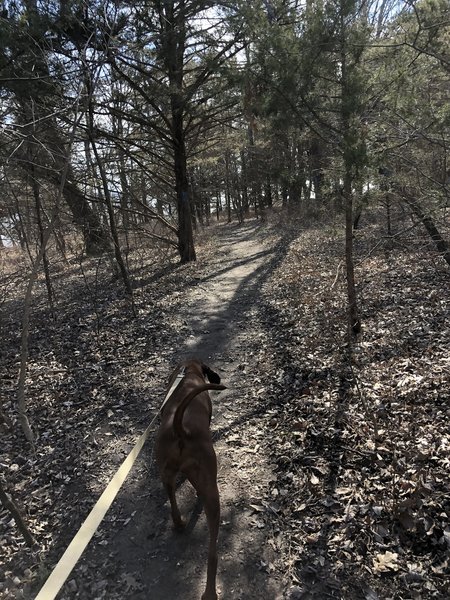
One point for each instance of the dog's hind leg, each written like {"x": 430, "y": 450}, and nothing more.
{"x": 168, "y": 479}
{"x": 212, "y": 510}
{"x": 204, "y": 480}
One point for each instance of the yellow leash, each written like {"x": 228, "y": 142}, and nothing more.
{"x": 77, "y": 546}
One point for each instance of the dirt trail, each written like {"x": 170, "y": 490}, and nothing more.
{"x": 142, "y": 553}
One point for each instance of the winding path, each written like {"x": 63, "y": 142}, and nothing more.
{"x": 221, "y": 315}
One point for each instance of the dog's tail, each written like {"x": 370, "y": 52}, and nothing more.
{"x": 178, "y": 418}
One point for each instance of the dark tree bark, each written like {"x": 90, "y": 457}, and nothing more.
{"x": 352, "y": 160}
{"x": 185, "y": 231}
{"x": 173, "y": 23}
{"x": 12, "y": 508}
{"x": 353, "y": 315}
{"x": 227, "y": 185}
{"x": 95, "y": 237}
{"x": 268, "y": 192}
{"x": 440, "y": 243}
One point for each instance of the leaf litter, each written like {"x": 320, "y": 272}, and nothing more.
{"x": 358, "y": 506}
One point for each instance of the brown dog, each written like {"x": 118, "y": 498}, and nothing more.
{"x": 184, "y": 444}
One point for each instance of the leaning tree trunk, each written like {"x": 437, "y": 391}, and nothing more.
{"x": 112, "y": 223}
{"x": 95, "y": 236}
{"x": 49, "y": 135}
{"x": 11, "y": 507}
{"x": 109, "y": 204}
{"x": 441, "y": 244}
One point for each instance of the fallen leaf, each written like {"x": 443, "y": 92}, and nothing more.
{"x": 386, "y": 562}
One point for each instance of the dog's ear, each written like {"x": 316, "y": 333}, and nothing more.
{"x": 210, "y": 374}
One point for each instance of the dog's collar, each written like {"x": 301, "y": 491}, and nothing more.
{"x": 173, "y": 387}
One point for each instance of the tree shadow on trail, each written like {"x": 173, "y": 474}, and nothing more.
{"x": 165, "y": 563}
{"x": 215, "y": 329}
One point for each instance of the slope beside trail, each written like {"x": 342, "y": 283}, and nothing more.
{"x": 137, "y": 554}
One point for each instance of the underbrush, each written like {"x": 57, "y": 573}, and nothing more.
{"x": 360, "y": 435}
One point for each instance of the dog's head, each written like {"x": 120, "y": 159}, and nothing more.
{"x": 198, "y": 367}
{"x": 212, "y": 376}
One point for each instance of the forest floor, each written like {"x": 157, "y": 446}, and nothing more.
{"x": 333, "y": 466}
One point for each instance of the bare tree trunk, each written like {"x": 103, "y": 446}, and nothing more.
{"x": 48, "y": 281}
{"x": 173, "y": 20}
{"x": 227, "y": 185}
{"x": 244, "y": 184}
{"x": 109, "y": 205}
{"x": 124, "y": 184}
{"x": 388, "y": 217}
{"x": 186, "y": 247}
{"x": 351, "y": 161}
{"x": 10, "y": 506}
{"x": 17, "y": 221}
{"x": 268, "y": 192}
{"x": 21, "y": 404}
{"x": 354, "y": 322}
{"x": 441, "y": 244}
